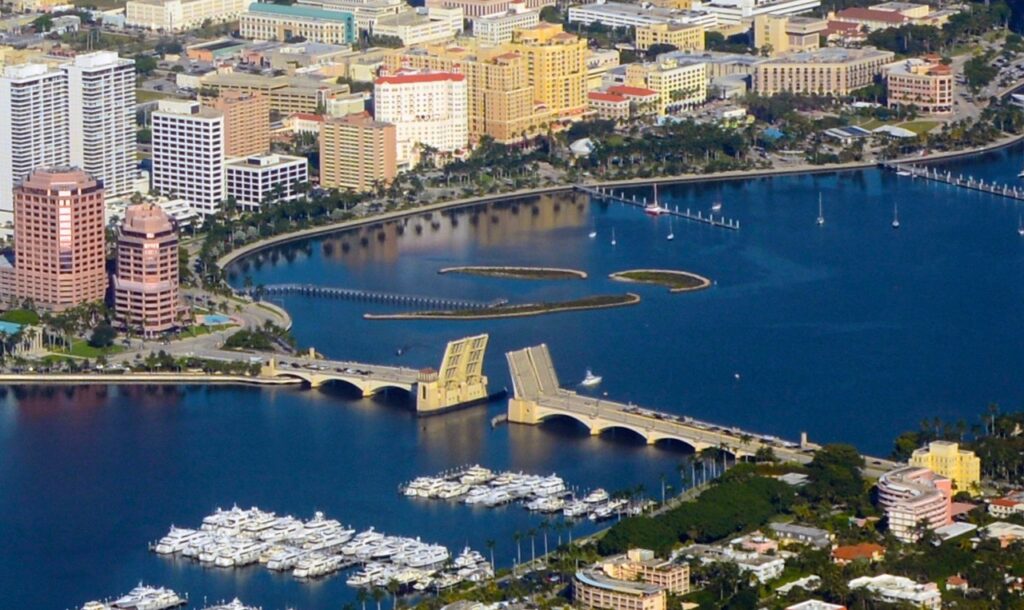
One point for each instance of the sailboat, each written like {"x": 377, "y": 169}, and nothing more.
{"x": 613, "y": 237}
{"x": 895, "y": 216}
{"x": 653, "y": 208}
{"x": 593, "y": 232}
{"x": 671, "y": 230}
{"x": 716, "y": 206}
{"x": 821, "y": 213}
{"x": 1020, "y": 226}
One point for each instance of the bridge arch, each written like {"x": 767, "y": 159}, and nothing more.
{"x": 570, "y": 416}
{"x": 666, "y": 441}
{"x": 605, "y": 427}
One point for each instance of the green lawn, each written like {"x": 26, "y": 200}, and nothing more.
{"x": 199, "y": 330}
{"x": 80, "y": 348}
{"x": 20, "y": 316}
{"x": 144, "y": 95}
{"x": 871, "y": 124}
{"x": 920, "y": 127}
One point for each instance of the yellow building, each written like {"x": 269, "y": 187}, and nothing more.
{"x": 824, "y": 71}
{"x": 357, "y": 153}
{"x": 778, "y": 34}
{"x": 680, "y": 82}
{"x": 556, "y": 68}
{"x": 641, "y": 565}
{"x": 593, "y": 590}
{"x": 287, "y": 94}
{"x": 685, "y": 37}
{"x": 946, "y": 458}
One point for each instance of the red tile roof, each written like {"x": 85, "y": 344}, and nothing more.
{"x": 1008, "y": 503}
{"x": 867, "y": 14}
{"x": 631, "y": 91}
{"x": 865, "y": 550}
{"x": 605, "y": 97}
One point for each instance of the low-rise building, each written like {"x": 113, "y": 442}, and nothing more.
{"x": 178, "y": 15}
{"x": 498, "y": 29}
{"x": 621, "y": 14}
{"x": 680, "y": 80}
{"x": 1012, "y": 504}
{"x": 682, "y": 36}
{"x": 270, "y": 21}
{"x": 865, "y": 551}
{"x": 641, "y": 565}
{"x": 592, "y": 590}
{"x": 788, "y": 533}
{"x": 869, "y": 18}
{"x": 215, "y": 50}
{"x": 1005, "y": 533}
{"x": 900, "y": 590}
{"x": 421, "y": 26}
{"x": 480, "y": 8}
{"x": 286, "y": 94}
{"x": 608, "y": 106}
{"x": 732, "y": 12}
{"x": 813, "y": 604}
{"x": 911, "y": 496}
{"x": 366, "y": 11}
{"x": 928, "y": 85}
{"x": 780, "y": 34}
{"x": 826, "y": 71}
{"x": 265, "y": 178}
{"x": 599, "y": 62}
{"x": 762, "y": 567}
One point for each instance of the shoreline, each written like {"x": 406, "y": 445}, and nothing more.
{"x": 141, "y": 378}
{"x": 803, "y": 169}
{"x": 514, "y": 273}
{"x": 631, "y": 299}
{"x": 620, "y": 276}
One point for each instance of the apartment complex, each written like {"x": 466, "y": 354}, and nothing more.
{"x": 592, "y": 590}
{"x": 357, "y": 153}
{"x": 911, "y": 495}
{"x": 680, "y": 35}
{"x": 480, "y": 8}
{"x": 188, "y": 154}
{"x": 680, "y": 80}
{"x": 947, "y": 459}
{"x": 246, "y": 121}
{"x": 34, "y": 128}
{"x": 101, "y": 118}
{"x": 178, "y": 15}
{"x": 498, "y": 29}
{"x": 421, "y": 26}
{"x": 781, "y": 34}
{"x": 556, "y": 67}
{"x": 146, "y": 291}
{"x": 59, "y": 247}
{"x": 428, "y": 109}
{"x": 642, "y": 566}
{"x": 924, "y": 84}
{"x": 283, "y": 22}
{"x": 826, "y": 71}
{"x": 257, "y": 179}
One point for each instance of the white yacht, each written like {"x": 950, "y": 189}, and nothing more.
{"x": 550, "y": 486}
{"x": 574, "y": 509}
{"x": 234, "y": 604}
{"x": 176, "y": 540}
{"x": 590, "y": 379}
{"x": 596, "y": 497}
{"x": 497, "y": 497}
{"x": 716, "y": 206}
{"x": 148, "y": 598}
{"x": 476, "y": 475}
{"x": 431, "y": 556}
{"x": 285, "y": 559}
{"x": 476, "y": 495}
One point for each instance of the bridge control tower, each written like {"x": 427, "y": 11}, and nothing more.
{"x": 460, "y": 382}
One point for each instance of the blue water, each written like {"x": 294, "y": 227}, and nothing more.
{"x": 851, "y": 331}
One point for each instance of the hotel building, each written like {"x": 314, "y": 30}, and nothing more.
{"x": 188, "y": 154}
{"x": 246, "y": 121}
{"x": 427, "y": 109}
{"x": 826, "y": 71}
{"x": 283, "y": 22}
{"x": 146, "y": 290}
{"x": 59, "y": 247}
{"x": 257, "y": 179}
{"x": 947, "y": 459}
{"x": 556, "y": 68}
{"x": 681, "y": 81}
{"x": 911, "y": 495}
{"x": 357, "y": 153}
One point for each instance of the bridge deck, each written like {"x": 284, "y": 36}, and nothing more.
{"x": 340, "y": 369}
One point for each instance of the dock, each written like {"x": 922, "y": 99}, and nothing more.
{"x": 720, "y": 222}
{"x": 966, "y": 182}
{"x": 390, "y": 298}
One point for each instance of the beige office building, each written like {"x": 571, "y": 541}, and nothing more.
{"x": 780, "y": 34}
{"x": 681, "y": 81}
{"x": 287, "y": 94}
{"x": 357, "y": 153}
{"x": 826, "y": 71}
{"x": 246, "y": 122}
{"x": 922, "y": 83}
{"x": 178, "y": 15}
{"x": 683, "y": 36}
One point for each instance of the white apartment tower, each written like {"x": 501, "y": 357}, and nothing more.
{"x": 33, "y": 128}
{"x": 101, "y": 89}
{"x": 188, "y": 154}
{"x": 426, "y": 108}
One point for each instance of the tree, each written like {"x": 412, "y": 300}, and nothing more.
{"x": 145, "y": 64}
{"x": 551, "y": 14}
{"x": 835, "y": 475}
{"x": 43, "y": 23}
{"x": 103, "y": 335}
{"x": 144, "y": 136}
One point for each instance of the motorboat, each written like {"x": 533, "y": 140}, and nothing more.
{"x": 176, "y": 540}
{"x": 596, "y": 497}
{"x": 895, "y": 216}
{"x": 590, "y": 379}
{"x": 821, "y": 213}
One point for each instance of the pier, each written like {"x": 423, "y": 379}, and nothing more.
{"x": 537, "y": 396}
{"x": 710, "y": 219}
{"x": 352, "y": 294}
{"x": 961, "y": 181}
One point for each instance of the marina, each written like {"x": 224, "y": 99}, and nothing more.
{"x": 142, "y": 597}
{"x": 966, "y": 182}
{"x": 319, "y": 547}
{"x": 654, "y": 208}
{"x": 478, "y": 486}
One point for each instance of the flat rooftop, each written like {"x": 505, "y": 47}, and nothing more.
{"x": 831, "y": 55}
{"x": 596, "y": 579}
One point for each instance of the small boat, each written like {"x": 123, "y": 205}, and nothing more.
{"x": 1020, "y": 226}
{"x": 592, "y": 234}
{"x": 671, "y": 230}
{"x": 716, "y": 206}
{"x": 821, "y": 213}
{"x": 591, "y": 379}
{"x": 613, "y": 237}
{"x": 654, "y": 208}
{"x": 895, "y": 216}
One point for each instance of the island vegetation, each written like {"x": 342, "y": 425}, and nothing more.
{"x": 517, "y": 310}
{"x": 519, "y": 273}
{"x": 675, "y": 281}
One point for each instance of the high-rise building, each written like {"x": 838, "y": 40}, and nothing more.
{"x": 33, "y": 127}
{"x": 557, "y": 67}
{"x": 101, "y": 110}
{"x": 269, "y": 177}
{"x": 428, "y": 109}
{"x": 188, "y": 154}
{"x": 146, "y": 290}
{"x": 780, "y": 34}
{"x": 246, "y": 121}
{"x": 357, "y": 153}
{"x": 58, "y": 239}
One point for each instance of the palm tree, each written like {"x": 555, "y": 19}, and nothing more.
{"x": 378, "y": 594}
{"x": 490, "y": 544}
{"x": 533, "y": 547}
{"x": 361, "y": 596}
{"x": 545, "y": 525}
{"x": 519, "y": 554}
{"x": 393, "y": 588}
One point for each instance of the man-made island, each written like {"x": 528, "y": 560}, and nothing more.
{"x": 519, "y": 273}
{"x": 516, "y": 310}
{"x": 675, "y": 281}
